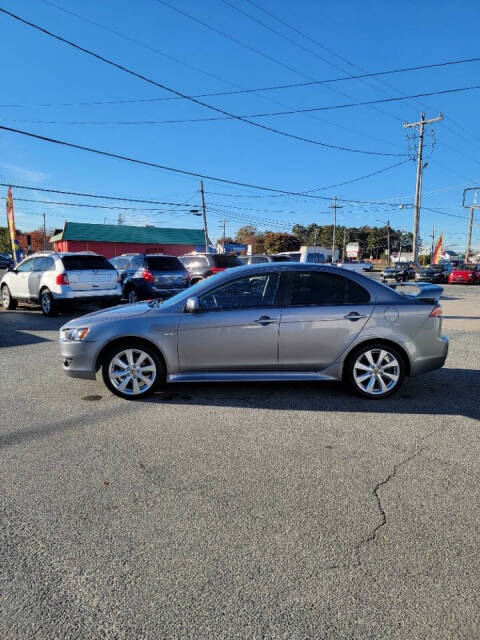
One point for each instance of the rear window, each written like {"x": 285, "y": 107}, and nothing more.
{"x": 85, "y": 263}
{"x": 164, "y": 263}
{"x": 224, "y": 262}
{"x": 192, "y": 262}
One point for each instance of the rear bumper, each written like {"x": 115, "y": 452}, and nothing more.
{"x": 423, "y": 364}
{"x": 84, "y": 296}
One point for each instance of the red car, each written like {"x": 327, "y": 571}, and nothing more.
{"x": 465, "y": 274}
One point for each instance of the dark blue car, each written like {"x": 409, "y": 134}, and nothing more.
{"x": 147, "y": 276}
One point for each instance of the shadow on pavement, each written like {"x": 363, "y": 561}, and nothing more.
{"x": 436, "y": 393}
{"x": 20, "y": 327}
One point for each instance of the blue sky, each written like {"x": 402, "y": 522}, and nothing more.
{"x": 177, "y": 51}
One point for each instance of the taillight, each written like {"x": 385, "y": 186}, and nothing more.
{"x": 436, "y": 312}
{"x": 147, "y": 275}
{"x": 62, "y": 278}
{"x": 217, "y": 269}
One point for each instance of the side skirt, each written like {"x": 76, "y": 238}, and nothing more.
{"x": 249, "y": 376}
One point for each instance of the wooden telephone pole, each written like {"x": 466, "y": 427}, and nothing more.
{"x": 418, "y": 183}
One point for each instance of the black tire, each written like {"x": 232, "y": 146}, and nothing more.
{"x": 132, "y": 296}
{"x": 47, "y": 303}
{"x": 118, "y": 352}
{"x": 7, "y": 301}
{"x": 391, "y": 366}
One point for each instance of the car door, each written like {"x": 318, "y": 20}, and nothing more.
{"x": 35, "y": 277}
{"x": 324, "y": 313}
{"x": 235, "y": 328}
{"x": 19, "y": 280}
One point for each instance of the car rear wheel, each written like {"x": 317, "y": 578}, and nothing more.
{"x": 375, "y": 370}
{"x": 132, "y": 370}
{"x": 7, "y": 301}
{"x": 132, "y": 296}
{"x": 47, "y": 303}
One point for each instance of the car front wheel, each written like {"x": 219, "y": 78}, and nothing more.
{"x": 375, "y": 371}
{"x": 7, "y": 301}
{"x": 132, "y": 370}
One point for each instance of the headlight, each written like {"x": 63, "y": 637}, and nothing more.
{"x": 73, "y": 335}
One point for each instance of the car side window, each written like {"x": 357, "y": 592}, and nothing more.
{"x": 320, "y": 288}
{"x": 26, "y": 266}
{"x": 258, "y": 260}
{"x": 39, "y": 264}
{"x": 256, "y": 290}
{"x": 48, "y": 264}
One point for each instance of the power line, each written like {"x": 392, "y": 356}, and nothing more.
{"x": 256, "y": 115}
{"x": 179, "y": 93}
{"x": 228, "y": 82}
{"x": 155, "y": 165}
{"x": 239, "y": 91}
{"x": 355, "y": 66}
{"x": 89, "y": 195}
{"x": 99, "y": 206}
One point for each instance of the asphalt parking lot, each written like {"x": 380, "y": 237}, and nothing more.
{"x": 238, "y": 511}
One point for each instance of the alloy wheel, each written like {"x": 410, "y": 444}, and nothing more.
{"x": 5, "y": 297}
{"x": 46, "y": 302}
{"x": 376, "y": 372}
{"x": 132, "y": 296}
{"x": 132, "y": 372}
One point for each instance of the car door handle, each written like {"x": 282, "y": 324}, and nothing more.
{"x": 354, "y": 315}
{"x": 264, "y": 320}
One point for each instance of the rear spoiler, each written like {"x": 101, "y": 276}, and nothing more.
{"x": 428, "y": 292}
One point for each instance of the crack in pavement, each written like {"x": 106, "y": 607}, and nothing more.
{"x": 373, "y": 535}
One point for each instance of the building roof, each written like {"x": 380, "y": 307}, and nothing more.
{"x": 125, "y": 233}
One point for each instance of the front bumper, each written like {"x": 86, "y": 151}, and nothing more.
{"x": 79, "y": 359}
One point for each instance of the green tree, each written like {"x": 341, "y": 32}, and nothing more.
{"x": 5, "y": 244}
{"x": 245, "y": 232}
{"x": 275, "y": 242}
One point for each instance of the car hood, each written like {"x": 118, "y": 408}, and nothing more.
{"x": 114, "y": 313}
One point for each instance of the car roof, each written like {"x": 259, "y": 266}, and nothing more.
{"x": 381, "y": 291}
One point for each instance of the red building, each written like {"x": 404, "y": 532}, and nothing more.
{"x": 111, "y": 240}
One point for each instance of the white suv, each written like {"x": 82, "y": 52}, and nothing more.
{"x": 54, "y": 279}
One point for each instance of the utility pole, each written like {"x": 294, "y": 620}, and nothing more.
{"x": 388, "y": 242}
{"x": 334, "y": 206}
{"x": 44, "y": 233}
{"x": 418, "y": 183}
{"x": 433, "y": 245}
{"x": 204, "y": 214}
{"x": 470, "y": 225}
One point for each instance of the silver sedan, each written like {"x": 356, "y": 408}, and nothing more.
{"x": 275, "y": 321}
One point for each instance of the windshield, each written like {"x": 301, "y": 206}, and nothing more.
{"x": 466, "y": 267}
{"x": 164, "y": 263}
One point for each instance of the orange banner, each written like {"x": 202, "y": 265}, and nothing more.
{"x": 437, "y": 254}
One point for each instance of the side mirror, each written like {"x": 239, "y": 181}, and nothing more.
{"x": 192, "y": 305}
{"x": 11, "y": 267}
